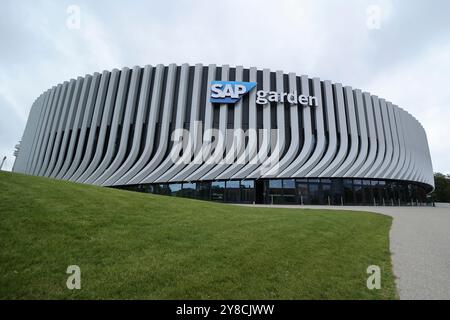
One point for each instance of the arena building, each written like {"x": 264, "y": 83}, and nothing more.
{"x": 230, "y": 134}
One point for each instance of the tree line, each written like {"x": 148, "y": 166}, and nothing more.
{"x": 442, "y": 187}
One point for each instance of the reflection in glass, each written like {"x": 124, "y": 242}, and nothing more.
{"x": 334, "y": 191}
{"x": 218, "y": 191}
{"x": 175, "y": 189}
{"x": 189, "y": 190}
{"x": 233, "y": 191}
{"x": 247, "y": 193}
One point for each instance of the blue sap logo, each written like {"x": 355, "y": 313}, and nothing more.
{"x": 229, "y": 91}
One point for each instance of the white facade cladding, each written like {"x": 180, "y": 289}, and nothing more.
{"x": 134, "y": 126}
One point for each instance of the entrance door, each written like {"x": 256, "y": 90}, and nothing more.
{"x": 259, "y": 191}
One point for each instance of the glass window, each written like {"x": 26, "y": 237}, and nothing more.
{"x": 302, "y": 188}
{"x": 290, "y": 199}
{"x": 162, "y": 189}
{"x": 275, "y": 191}
{"x": 314, "y": 194}
{"x": 218, "y": 191}
{"x": 289, "y": 184}
{"x": 359, "y": 198}
{"x": 367, "y": 192}
{"x": 337, "y": 192}
{"x": 203, "y": 190}
{"x": 275, "y": 184}
{"x": 389, "y": 194}
{"x": 232, "y": 184}
{"x": 247, "y": 184}
{"x": 144, "y": 188}
{"x": 348, "y": 182}
{"x": 175, "y": 189}
{"x": 233, "y": 191}
{"x": 327, "y": 196}
{"x": 348, "y": 192}
{"x": 189, "y": 190}
{"x": 302, "y": 192}
{"x": 289, "y": 192}
{"x": 247, "y": 191}
{"x": 297, "y": 191}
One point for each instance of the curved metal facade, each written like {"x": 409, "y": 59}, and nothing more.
{"x": 119, "y": 128}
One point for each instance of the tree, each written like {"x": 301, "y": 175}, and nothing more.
{"x": 442, "y": 188}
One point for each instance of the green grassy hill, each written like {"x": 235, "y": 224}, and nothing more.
{"x": 142, "y": 246}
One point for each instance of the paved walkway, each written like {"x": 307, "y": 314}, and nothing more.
{"x": 420, "y": 245}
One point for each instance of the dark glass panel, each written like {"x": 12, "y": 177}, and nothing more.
{"x": 326, "y": 197}
{"x": 302, "y": 191}
{"x": 204, "y": 190}
{"x": 289, "y": 191}
{"x": 247, "y": 191}
{"x": 348, "y": 192}
{"x": 189, "y": 190}
{"x": 175, "y": 189}
{"x": 218, "y": 191}
{"x": 314, "y": 193}
{"x": 233, "y": 191}
{"x": 275, "y": 184}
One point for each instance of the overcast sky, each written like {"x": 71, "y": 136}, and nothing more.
{"x": 398, "y": 50}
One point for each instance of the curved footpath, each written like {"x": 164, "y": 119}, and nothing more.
{"x": 420, "y": 246}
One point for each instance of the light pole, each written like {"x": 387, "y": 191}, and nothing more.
{"x": 3, "y": 161}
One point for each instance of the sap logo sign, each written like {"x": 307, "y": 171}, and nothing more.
{"x": 229, "y": 91}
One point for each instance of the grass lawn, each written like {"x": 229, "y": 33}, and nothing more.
{"x": 142, "y": 246}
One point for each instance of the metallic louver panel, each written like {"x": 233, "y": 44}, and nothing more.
{"x": 126, "y": 127}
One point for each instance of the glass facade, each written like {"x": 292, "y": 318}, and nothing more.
{"x": 311, "y": 191}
